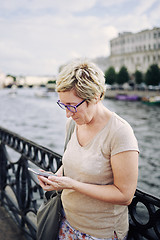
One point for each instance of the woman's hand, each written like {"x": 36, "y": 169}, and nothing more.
{"x": 55, "y": 182}
{"x": 49, "y": 184}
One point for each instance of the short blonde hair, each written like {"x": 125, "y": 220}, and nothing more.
{"x": 84, "y": 77}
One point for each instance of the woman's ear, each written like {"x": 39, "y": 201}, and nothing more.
{"x": 97, "y": 99}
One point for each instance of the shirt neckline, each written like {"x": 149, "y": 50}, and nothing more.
{"x": 93, "y": 139}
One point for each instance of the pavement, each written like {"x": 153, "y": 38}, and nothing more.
{"x": 8, "y": 228}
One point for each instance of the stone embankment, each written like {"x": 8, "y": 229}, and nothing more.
{"x": 141, "y": 94}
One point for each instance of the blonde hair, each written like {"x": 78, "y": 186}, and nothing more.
{"x": 84, "y": 77}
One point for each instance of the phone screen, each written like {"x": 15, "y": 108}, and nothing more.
{"x": 38, "y": 172}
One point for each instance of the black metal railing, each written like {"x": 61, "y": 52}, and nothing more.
{"x": 21, "y": 194}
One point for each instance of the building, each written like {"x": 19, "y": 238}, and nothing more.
{"x": 2, "y": 79}
{"x": 33, "y": 80}
{"x": 102, "y": 63}
{"x": 136, "y": 51}
{"x": 5, "y": 80}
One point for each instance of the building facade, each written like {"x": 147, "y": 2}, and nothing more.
{"x": 136, "y": 51}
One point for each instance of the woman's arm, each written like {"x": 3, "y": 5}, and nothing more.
{"x": 125, "y": 173}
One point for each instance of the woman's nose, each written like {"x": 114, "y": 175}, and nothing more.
{"x": 69, "y": 113}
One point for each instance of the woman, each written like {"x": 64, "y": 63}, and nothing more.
{"x": 100, "y": 162}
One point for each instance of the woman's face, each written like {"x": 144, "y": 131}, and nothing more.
{"x": 85, "y": 112}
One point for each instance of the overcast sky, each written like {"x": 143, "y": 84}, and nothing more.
{"x": 37, "y": 36}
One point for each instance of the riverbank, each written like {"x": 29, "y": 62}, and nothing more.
{"x": 111, "y": 94}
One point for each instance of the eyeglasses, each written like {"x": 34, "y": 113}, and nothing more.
{"x": 70, "y": 107}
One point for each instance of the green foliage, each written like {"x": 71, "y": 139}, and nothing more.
{"x": 122, "y": 76}
{"x": 138, "y": 77}
{"x": 152, "y": 76}
{"x": 52, "y": 81}
{"x": 14, "y": 78}
{"x": 110, "y": 76}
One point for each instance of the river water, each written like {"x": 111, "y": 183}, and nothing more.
{"x": 42, "y": 121}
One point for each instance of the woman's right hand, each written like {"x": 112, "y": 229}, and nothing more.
{"x": 46, "y": 184}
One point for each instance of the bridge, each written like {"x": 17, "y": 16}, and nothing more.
{"x": 21, "y": 195}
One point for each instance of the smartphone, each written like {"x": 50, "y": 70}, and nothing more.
{"x": 38, "y": 172}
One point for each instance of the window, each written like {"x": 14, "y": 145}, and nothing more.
{"x": 155, "y": 35}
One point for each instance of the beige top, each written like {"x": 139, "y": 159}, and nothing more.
{"x": 91, "y": 164}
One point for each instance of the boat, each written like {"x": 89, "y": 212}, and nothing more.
{"x": 42, "y": 94}
{"x": 13, "y": 91}
{"x": 51, "y": 87}
{"x": 125, "y": 97}
{"x": 152, "y": 100}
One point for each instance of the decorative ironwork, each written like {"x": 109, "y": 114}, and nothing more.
{"x": 21, "y": 194}
{"x": 144, "y": 214}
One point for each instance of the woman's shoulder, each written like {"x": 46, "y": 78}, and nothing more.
{"x": 120, "y": 136}
{"x": 119, "y": 122}
{"x": 117, "y": 127}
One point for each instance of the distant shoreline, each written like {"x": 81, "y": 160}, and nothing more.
{"x": 111, "y": 94}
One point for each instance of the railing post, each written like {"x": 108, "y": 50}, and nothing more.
{"x": 23, "y": 185}
{"x": 3, "y": 170}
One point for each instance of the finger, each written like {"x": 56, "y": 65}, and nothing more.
{"x": 54, "y": 178}
{"x": 45, "y": 180}
{"x": 42, "y": 184}
{"x": 46, "y": 171}
{"x": 48, "y": 188}
{"x": 41, "y": 170}
{"x": 48, "y": 185}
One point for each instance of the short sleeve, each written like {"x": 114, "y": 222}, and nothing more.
{"x": 123, "y": 140}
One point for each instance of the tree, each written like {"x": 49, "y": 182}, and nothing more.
{"x": 152, "y": 76}
{"x": 52, "y": 81}
{"x": 14, "y": 77}
{"x": 110, "y": 76}
{"x": 138, "y": 77}
{"x": 122, "y": 76}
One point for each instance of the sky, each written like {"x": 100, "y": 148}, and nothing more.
{"x": 38, "y": 36}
